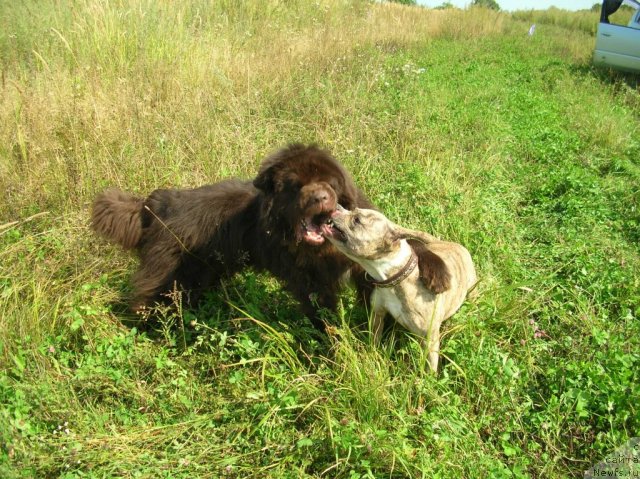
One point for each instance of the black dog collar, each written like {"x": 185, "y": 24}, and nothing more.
{"x": 399, "y": 276}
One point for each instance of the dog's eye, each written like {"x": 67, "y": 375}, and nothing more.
{"x": 357, "y": 220}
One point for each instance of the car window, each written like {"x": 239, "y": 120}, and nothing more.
{"x": 619, "y": 13}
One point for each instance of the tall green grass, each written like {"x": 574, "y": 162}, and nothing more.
{"x": 583, "y": 20}
{"x": 456, "y": 122}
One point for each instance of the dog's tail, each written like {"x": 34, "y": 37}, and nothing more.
{"x": 117, "y": 216}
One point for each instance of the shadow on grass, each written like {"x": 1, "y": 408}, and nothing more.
{"x": 253, "y": 309}
{"x": 249, "y": 305}
{"x": 608, "y": 75}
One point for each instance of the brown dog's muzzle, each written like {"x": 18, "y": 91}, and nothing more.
{"x": 317, "y": 198}
{"x": 317, "y": 202}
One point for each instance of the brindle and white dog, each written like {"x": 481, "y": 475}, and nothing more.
{"x": 381, "y": 248}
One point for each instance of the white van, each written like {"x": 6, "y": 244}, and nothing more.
{"x": 618, "y": 46}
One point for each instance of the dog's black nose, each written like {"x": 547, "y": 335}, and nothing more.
{"x": 321, "y": 197}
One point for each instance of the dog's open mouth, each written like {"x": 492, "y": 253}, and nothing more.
{"x": 312, "y": 229}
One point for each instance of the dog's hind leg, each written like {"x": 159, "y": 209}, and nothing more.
{"x": 434, "y": 355}
{"x": 432, "y": 343}
{"x": 156, "y": 276}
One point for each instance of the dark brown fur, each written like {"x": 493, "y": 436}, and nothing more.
{"x": 116, "y": 216}
{"x": 194, "y": 237}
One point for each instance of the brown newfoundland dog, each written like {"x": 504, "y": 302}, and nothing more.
{"x": 189, "y": 239}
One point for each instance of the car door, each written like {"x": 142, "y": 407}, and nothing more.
{"x": 618, "y": 46}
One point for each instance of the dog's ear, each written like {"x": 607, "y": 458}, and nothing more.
{"x": 274, "y": 163}
{"x": 265, "y": 181}
{"x": 433, "y": 271}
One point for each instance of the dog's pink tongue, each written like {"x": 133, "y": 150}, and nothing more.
{"x": 328, "y": 230}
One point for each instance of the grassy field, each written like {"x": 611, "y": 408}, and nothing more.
{"x": 456, "y": 122}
